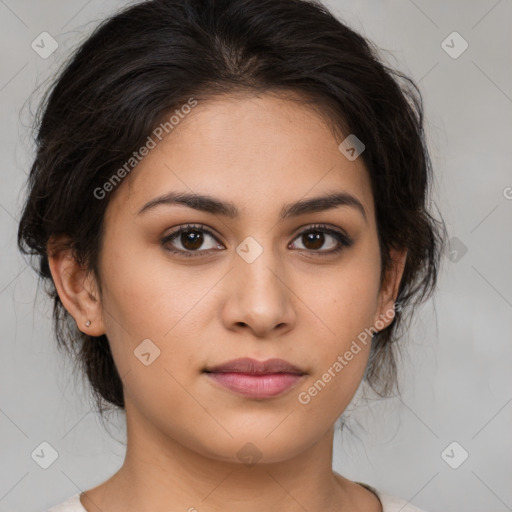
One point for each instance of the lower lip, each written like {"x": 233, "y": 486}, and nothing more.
{"x": 256, "y": 386}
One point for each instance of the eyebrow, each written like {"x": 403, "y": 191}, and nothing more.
{"x": 215, "y": 206}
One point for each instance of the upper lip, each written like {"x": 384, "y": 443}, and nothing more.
{"x": 252, "y": 366}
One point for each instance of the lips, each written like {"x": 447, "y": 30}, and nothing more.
{"x": 254, "y": 367}
{"x": 256, "y": 379}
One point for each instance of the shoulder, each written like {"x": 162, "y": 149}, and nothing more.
{"x": 72, "y": 504}
{"x": 395, "y": 504}
{"x": 389, "y": 503}
{"x": 392, "y": 503}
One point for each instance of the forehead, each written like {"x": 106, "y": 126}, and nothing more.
{"x": 258, "y": 152}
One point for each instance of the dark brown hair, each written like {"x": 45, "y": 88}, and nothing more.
{"x": 148, "y": 60}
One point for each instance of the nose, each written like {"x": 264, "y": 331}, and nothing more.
{"x": 258, "y": 296}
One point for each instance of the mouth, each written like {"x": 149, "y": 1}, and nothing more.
{"x": 254, "y": 379}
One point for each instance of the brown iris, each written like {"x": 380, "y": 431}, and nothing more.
{"x": 314, "y": 237}
{"x": 191, "y": 239}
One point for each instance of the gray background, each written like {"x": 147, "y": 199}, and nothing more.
{"x": 456, "y": 370}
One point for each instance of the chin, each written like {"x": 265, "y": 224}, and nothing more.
{"x": 256, "y": 447}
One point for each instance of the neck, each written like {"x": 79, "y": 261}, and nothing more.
{"x": 160, "y": 474}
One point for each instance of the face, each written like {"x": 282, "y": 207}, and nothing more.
{"x": 254, "y": 283}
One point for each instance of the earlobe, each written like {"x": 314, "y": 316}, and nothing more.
{"x": 76, "y": 287}
{"x": 390, "y": 287}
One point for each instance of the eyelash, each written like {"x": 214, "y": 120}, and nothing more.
{"x": 343, "y": 240}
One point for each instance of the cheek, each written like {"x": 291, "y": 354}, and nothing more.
{"x": 328, "y": 393}
{"x": 144, "y": 293}
{"x": 345, "y": 309}
{"x": 340, "y": 357}
{"x": 346, "y": 303}
{"x": 146, "y": 298}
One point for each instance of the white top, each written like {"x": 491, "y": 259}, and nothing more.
{"x": 389, "y": 503}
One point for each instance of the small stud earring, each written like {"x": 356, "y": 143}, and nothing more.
{"x": 88, "y": 323}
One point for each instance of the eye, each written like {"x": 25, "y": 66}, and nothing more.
{"x": 190, "y": 237}
{"x": 315, "y": 237}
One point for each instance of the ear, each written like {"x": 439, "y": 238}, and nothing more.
{"x": 389, "y": 289}
{"x": 77, "y": 287}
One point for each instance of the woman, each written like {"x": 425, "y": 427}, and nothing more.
{"x": 229, "y": 203}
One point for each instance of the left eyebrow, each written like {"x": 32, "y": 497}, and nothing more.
{"x": 217, "y": 206}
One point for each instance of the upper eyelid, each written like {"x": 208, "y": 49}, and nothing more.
{"x": 190, "y": 227}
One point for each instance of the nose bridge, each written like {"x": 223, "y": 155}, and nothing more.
{"x": 258, "y": 294}
{"x": 258, "y": 264}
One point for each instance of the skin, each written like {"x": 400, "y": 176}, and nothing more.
{"x": 184, "y": 432}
